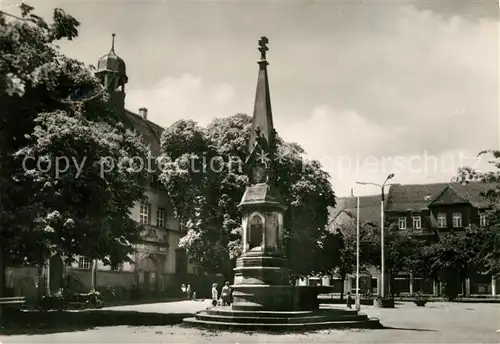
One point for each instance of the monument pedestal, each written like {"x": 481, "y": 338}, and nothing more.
{"x": 261, "y": 282}
{"x": 263, "y": 299}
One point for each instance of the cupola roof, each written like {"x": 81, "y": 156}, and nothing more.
{"x": 112, "y": 62}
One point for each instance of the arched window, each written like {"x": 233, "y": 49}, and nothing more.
{"x": 256, "y": 230}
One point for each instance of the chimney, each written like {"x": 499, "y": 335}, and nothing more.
{"x": 143, "y": 112}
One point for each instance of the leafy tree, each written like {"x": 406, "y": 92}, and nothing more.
{"x": 203, "y": 172}
{"x": 402, "y": 250}
{"x": 489, "y": 255}
{"x": 450, "y": 260}
{"x": 454, "y": 257}
{"x": 82, "y": 208}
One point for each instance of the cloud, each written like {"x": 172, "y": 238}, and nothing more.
{"x": 403, "y": 85}
{"x": 436, "y": 76}
{"x": 184, "y": 97}
{"x": 349, "y": 147}
{"x": 418, "y": 87}
{"x": 6, "y": 4}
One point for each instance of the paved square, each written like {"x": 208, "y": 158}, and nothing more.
{"x": 435, "y": 323}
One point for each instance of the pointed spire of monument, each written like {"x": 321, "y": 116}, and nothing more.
{"x": 262, "y": 123}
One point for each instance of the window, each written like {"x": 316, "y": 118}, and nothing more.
{"x": 83, "y": 263}
{"x": 160, "y": 217}
{"x": 457, "y": 220}
{"x": 144, "y": 213}
{"x": 441, "y": 218}
{"x": 483, "y": 220}
{"x": 417, "y": 222}
{"x": 402, "y": 222}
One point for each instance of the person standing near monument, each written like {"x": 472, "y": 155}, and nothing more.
{"x": 226, "y": 294}
{"x": 215, "y": 294}
{"x": 349, "y": 300}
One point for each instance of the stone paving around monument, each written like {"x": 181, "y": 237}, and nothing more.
{"x": 436, "y": 323}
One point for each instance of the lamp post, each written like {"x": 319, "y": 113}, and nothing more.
{"x": 358, "y": 303}
{"x": 382, "y": 258}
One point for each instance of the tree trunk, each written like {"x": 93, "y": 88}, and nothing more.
{"x": 342, "y": 277}
{"x": 94, "y": 275}
{"x": 40, "y": 282}
{"x": 3, "y": 271}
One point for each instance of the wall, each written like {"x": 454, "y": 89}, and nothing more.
{"x": 393, "y": 219}
{"x": 157, "y": 199}
{"x": 23, "y": 281}
{"x": 101, "y": 267}
{"x": 469, "y": 214}
{"x": 103, "y": 278}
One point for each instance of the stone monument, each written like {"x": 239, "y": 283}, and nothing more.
{"x": 263, "y": 297}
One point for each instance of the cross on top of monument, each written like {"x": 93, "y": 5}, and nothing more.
{"x": 263, "y": 47}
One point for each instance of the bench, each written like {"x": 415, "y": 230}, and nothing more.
{"x": 13, "y": 303}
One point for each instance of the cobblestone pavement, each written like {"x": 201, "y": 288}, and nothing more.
{"x": 435, "y": 323}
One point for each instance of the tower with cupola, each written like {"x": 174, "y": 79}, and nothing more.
{"x": 112, "y": 72}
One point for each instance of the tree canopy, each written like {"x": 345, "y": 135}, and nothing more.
{"x": 488, "y": 258}
{"x": 58, "y": 137}
{"x": 203, "y": 172}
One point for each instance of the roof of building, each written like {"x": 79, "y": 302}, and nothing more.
{"x": 412, "y": 197}
{"x": 369, "y": 208}
{"x": 151, "y": 132}
{"x": 474, "y": 192}
{"x": 418, "y": 197}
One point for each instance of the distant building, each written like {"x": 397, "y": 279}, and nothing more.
{"x": 429, "y": 210}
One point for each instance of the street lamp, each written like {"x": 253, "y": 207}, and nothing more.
{"x": 358, "y": 303}
{"x": 382, "y": 258}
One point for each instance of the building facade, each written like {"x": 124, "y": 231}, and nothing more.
{"x": 428, "y": 210}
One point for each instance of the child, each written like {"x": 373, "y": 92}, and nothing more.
{"x": 215, "y": 294}
{"x": 349, "y": 300}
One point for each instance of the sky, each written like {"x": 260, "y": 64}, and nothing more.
{"x": 367, "y": 88}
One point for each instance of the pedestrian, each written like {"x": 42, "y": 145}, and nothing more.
{"x": 215, "y": 294}
{"x": 183, "y": 289}
{"x": 189, "y": 292}
{"x": 226, "y": 295}
{"x": 349, "y": 300}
